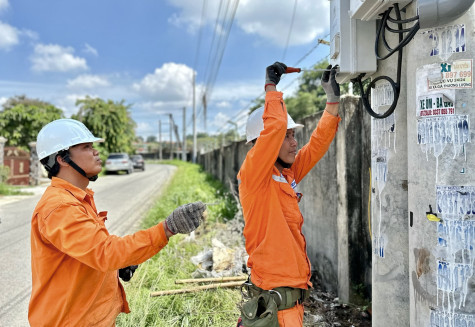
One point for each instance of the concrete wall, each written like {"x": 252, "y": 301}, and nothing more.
{"x": 334, "y": 203}
{"x": 423, "y": 269}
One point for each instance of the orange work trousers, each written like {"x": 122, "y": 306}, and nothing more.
{"x": 292, "y": 317}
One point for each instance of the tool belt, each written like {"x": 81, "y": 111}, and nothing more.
{"x": 284, "y": 297}
{"x": 261, "y": 306}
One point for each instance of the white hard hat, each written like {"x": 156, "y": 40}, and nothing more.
{"x": 255, "y": 124}
{"x": 61, "y": 134}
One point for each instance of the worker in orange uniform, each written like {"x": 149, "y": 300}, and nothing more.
{"x": 75, "y": 262}
{"x": 268, "y": 191}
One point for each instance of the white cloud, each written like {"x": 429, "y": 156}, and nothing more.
{"x": 3, "y": 5}
{"x": 269, "y": 19}
{"x": 311, "y": 19}
{"x": 220, "y": 120}
{"x": 68, "y": 103}
{"x": 146, "y": 128}
{"x": 171, "y": 82}
{"x": 90, "y": 50}
{"x": 3, "y": 100}
{"x": 9, "y": 36}
{"x": 55, "y": 58}
{"x": 223, "y": 104}
{"x": 87, "y": 81}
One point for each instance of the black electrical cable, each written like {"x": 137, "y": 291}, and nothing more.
{"x": 403, "y": 41}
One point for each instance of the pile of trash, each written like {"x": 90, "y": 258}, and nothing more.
{"x": 225, "y": 258}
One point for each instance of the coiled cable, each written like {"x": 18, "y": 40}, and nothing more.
{"x": 403, "y": 41}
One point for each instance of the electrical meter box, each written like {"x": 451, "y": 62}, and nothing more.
{"x": 352, "y": 42}
{"x": 371, "y": 9}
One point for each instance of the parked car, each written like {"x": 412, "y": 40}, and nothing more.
{"x": 119, "y": 162}
{"x": 138, "y": 161}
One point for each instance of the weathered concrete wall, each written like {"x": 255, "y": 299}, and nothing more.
{"x": 334, "y": 203}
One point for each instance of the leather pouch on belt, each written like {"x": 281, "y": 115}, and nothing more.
{"x": 260, "y": 311}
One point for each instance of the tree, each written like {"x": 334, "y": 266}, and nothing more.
{"x": 109, "y": 120}
{"x": 151, "y": 139}
{"x": 22, "y": 118}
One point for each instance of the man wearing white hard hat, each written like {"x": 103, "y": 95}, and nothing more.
{"x": 75, "y": 262}
{"x": 268, "y": 190}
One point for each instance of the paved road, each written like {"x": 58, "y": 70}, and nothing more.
{"x": 125, "y": 197}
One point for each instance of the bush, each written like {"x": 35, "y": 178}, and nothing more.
{"x": 4, "y": 174}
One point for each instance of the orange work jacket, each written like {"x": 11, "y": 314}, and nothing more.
{"x": 74, "y": 260}
{"x": 273, "y": 221}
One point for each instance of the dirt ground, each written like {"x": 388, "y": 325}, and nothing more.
{"x": 323, "y": 309}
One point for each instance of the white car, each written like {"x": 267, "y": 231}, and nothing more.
{"x": 119, "y": 162}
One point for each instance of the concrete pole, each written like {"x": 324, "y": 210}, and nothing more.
{"x": 205, "y": 113}
{"x": 35, "y": 169}
{"x": 171, "y": 135}
{"x": 194, "y": 122}
{"x": 390, "y": 283}
{"x": 2, "y": 146}
{"x": 183, "y": 155}
{"x": 441, "y": 174}
{"x": 160, "y": 140}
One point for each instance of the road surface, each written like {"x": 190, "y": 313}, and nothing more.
{"x": 125, "y": 197}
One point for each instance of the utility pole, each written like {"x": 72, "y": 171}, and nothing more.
{"x": 175, "y": 129}
{"x": 171, "y": 136}
{"x": 160, "y": 139}
{"x": 183, "y": 155}
{"x": 205, "y": 105}
{"x": 194, "y": 121}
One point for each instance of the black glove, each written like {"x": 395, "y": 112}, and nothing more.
{"x": 330, "y": 85}
{"x": 274, "y": 72}
{"x": 127, "y": 272}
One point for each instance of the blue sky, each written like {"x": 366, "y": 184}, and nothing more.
{"x": 145, "y": 52}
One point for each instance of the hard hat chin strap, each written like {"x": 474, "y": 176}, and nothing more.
{"x": 283, "y": 163}
{"x": 77, "y": 168}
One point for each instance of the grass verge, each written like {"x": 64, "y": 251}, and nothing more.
{"x": 6, "y": 189}
{"x": 205, "y": 308}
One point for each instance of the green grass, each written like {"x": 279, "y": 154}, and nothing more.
{"x": 205, "y": 308}
{"x": 6, "y": 189}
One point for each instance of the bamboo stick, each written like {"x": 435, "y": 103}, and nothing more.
{"x": 196, "y": 289}
{"x": 211, "y": 279}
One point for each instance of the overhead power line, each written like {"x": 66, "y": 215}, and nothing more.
{"x": 290, "y": 30}
{"x": 224, "y": 21}
{"x": 243, "y": 112}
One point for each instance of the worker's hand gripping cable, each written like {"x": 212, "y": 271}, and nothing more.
{"x": 186, "y": 218}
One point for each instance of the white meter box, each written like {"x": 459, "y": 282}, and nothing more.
{"x": 352, "y": 42}
{"x": 371, "y": 9}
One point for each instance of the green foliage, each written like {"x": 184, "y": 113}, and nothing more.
{"x": 151, "y": 138}
{"x": 109, "y": 120}
{"x": 4, "y": 173}
{"x": 22, "y": 118}
{"x": 191, "y": 184}
{"x": 6, "y": 189}
{"x": 310, "y": 97}
{"x": 206, "y": 308}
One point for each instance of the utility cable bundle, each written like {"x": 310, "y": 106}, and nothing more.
{"x": 403, "y": 41}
